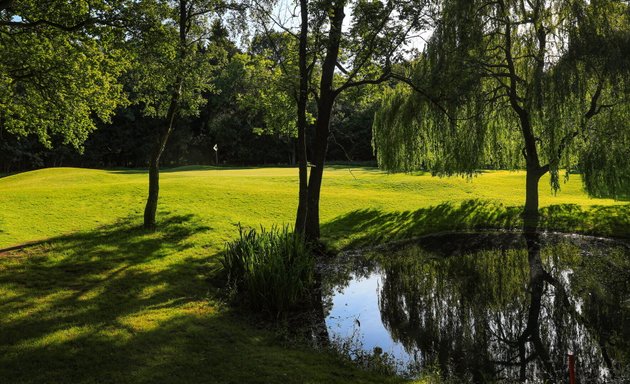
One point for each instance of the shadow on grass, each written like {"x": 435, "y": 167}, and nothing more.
{"x": 121, "y": 305}
{"x": 369, "y": 227}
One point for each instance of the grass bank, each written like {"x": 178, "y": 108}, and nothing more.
{"x": 50, "y": 202}
{"x": 103, "y": 301}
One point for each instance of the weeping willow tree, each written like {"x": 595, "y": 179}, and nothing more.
{"x": 535, "y": 84}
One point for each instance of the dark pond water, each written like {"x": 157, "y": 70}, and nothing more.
{"x": 493, "y": 307}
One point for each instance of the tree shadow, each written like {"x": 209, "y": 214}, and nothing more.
{"x": 366, "y": 227}
{"x": 370, "y": 226}
{"x": 112, "y": 261}
{"x": 123, "y": 305}
{"x": 613, "y": 221}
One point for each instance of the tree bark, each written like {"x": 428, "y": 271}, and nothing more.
{"x": 530, "y": 151}
{"x": 154, "y": 163}
{"x": 322, "y": 126}
{"x": 300, "y": 220}
{"x": 315, "y": 180}
{"x": 531, "y": 215}
{"x": 150, "y": 208}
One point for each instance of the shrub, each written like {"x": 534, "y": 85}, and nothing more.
{"x": 271, "y": 271}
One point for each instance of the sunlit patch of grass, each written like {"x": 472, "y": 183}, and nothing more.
{"x": 56, "y": 201}
{"x": 151, "y": 319}
{"x": 101, "y": 300}
{"x": 61, "y": 336}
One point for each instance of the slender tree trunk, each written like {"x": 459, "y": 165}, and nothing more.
{"x": 324, "y": 112}
{"x": 315, "y": 180}
{"x": 300, "y": 220}
{"x": 154, "y": 163}
{"x": 154, "y": 188}
{"x": 154, "y": 171}
{"x": 292, "y": 152}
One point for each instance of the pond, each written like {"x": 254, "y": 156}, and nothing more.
{"x": 485, "y": 307}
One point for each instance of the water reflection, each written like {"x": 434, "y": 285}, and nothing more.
{"x": 490, "y": 308}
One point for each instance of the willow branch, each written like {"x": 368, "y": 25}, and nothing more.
{"x": 424, "y": 94}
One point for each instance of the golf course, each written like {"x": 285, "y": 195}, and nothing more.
{"x": 87, "y": 295}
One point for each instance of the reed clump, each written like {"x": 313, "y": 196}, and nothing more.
{"x": 270, "y": 271}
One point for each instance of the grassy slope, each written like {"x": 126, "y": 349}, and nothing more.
{"x": 51, "y": 202}
{"x": 112, "y": 303}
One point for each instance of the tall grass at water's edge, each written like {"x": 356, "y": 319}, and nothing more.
{"x": 272, "y": 271}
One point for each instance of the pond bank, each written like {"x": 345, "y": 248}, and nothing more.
{"x": 496, "y": 306}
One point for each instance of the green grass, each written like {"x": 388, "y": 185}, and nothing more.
{"x": 50, "y": 202}
{"x": 99, "y": 300}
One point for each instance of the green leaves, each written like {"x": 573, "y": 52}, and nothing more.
{"x": 161, "y": 57}
{"x": 270, "y": 93}
{"x": 497, "y": 77}
{"x": 55, "y": 82}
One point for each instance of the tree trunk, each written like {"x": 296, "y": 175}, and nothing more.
{"x": 291, "y": 153}
{"x": 315, "y": 180}
{"x": 531, "y": 215}
{"x": 322, "y": 126}
{"x": 154, "y": 189}
{"x": 154, "y": 171}
{"x": 154, "y": 163}
{"x": 300, "y": 220}
{"x": 530, "y": 151}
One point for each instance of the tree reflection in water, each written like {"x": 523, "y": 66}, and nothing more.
{"x": 508, "y": 307}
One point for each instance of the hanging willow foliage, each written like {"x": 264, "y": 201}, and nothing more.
{"x": 570, "y": 66}
{"x": 606, "y": 156}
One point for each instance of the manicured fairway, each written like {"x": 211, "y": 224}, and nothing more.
{"x": 102, "y": 301}
{"x": 51, "y": 202}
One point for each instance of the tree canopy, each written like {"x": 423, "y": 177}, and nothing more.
{"x": 510, "y": 84}
{"x": 59, "y": 68}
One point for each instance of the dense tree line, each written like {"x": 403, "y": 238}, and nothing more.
{"x": 122, "y": 143}
{"x": 234, "y": 115}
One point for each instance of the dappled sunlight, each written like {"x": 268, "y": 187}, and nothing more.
{"x": 91, "y": 279}
{"x": 154, "y": 317}
{"x": 61, "y": 336}
{"x": 125, "y": 305}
